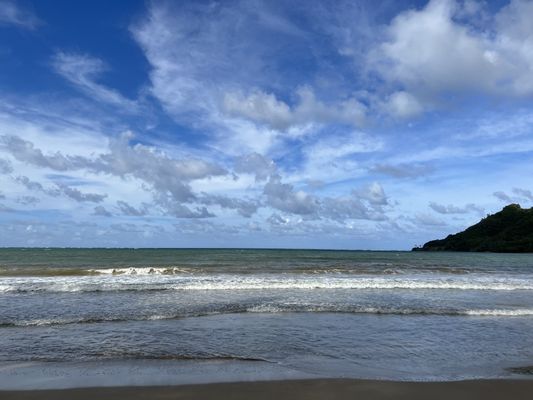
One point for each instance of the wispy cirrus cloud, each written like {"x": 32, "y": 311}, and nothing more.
{"x": 414, "y": 170}
{"x": 271, "y": 122}
{"x": 452, "y": 209}
{"x": 12, "y": 13}
{"x": 83, "y": 71}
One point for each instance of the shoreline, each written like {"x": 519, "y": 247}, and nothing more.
{"x": 42, "y": 375}
{"x": 516, "y": 389}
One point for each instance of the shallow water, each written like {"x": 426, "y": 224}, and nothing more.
{"x": 396, "y": 315}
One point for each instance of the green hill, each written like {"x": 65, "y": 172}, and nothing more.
{"x": 507, "y": 231}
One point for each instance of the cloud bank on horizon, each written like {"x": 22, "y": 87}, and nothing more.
{"x": 365, "y": 125}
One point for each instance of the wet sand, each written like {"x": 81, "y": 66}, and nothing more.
{"x": 297, "y": 389}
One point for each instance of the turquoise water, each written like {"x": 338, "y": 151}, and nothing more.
{"x": 330, "y": 313}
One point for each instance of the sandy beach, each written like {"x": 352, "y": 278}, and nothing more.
{"x": 298, "y": 389}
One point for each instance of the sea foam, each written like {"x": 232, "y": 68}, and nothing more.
{"x": 180, "y": 281}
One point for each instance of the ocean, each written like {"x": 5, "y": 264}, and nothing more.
{"x": 314, "y": 313}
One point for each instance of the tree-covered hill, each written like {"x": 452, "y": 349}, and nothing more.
{"x": 507, "y": 231}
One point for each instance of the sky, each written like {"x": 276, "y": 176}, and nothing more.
{"x": 301, "y": 124}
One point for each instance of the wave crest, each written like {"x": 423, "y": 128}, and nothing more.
{"x": 150, "y": 282}
{"x": 273, "y": 308}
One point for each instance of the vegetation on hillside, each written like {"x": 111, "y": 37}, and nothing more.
{"x": 508, "y": 231}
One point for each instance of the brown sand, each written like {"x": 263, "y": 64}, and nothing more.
{"x": 337, "y": 389}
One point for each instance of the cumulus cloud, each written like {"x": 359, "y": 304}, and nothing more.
{"x": 25, "y": 151}
{"x": 27, "y": 200}
{"x": 256, "y": 164}
{"x": 374, "y": 194}
{"x": 77, "y": 195}
{"x": 168, "y": 180}
{"x": 29, "y": 184}
{"x": 245, "y": 207}
{"x": 101, "y": 211}
{"x": 350, "y": 207}
{"x": 127, "y": 209}
{"x": 163, "y": 173}
{"x": 260, "y": 107}
{"x": 520, "y": 195}
{"x": 11, "y": 13}
{"x": 60, "y": 189}
{"x": 436, "y": 50}
{"x": 365, "y": 203}
{"x": 283, "y": 197}
{"x": 403, "y": 105}
{"x": 171, "y": 207}
{"x": 503, "y": 197}
{"x": 5, "y": 166}
{"x": 265, "y": 108}
{"x": 277, "y": 220}
{"x": 524, "y": 193}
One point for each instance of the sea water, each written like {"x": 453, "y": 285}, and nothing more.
{"x": 383, "y": 315}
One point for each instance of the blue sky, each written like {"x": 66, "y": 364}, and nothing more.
{"x": 357, "y": 125}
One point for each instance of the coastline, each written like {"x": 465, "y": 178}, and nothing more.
{"x": 297, "y": 389}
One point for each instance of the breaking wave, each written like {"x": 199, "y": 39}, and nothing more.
{"x": 177, "y": 270}
{"x": 149, "y": 282}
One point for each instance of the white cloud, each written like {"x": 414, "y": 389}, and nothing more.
{"x": 374, "y": 194}
{"x": 59, "y": 189}
{"x": 29, "y": 184}
{"x": 265, "y": 108}
{"x": 431, "y": 51}
{"x": 100, "y": 211}
{"x": 172, "y": 184}
{"x": 260, "y": 107}
{"x": 366, "y": 203}
{"x": 428, "y": 220}
{"x": 213, "y": 69}
{"x": 451, "y": 209}
{"x": 403, "y": 105}
{"x": 523, "y": 193}
{"x": 256, "y": 164}
{"x": 27, "y": 200}
{"x": 335, "y": 146}
{"x": 77, "y": 195}
{"x": 245, "y": 207}
{"x": 283, "y": 197}
{"x": 167, "y": 178}
{"x": 402, "y": 170}
{"x": 5, "y": 166}
{"x": 500, "y": 125}
{"x": 128, "y": 210}
{"x": 12, "y": 13}
{"x": 363, "y": 204}
{"x": 25, "y": 151}
{"x": 334, "y": 156}
{"x": 82, "y": 71}
{"x": 503, "y": 197}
